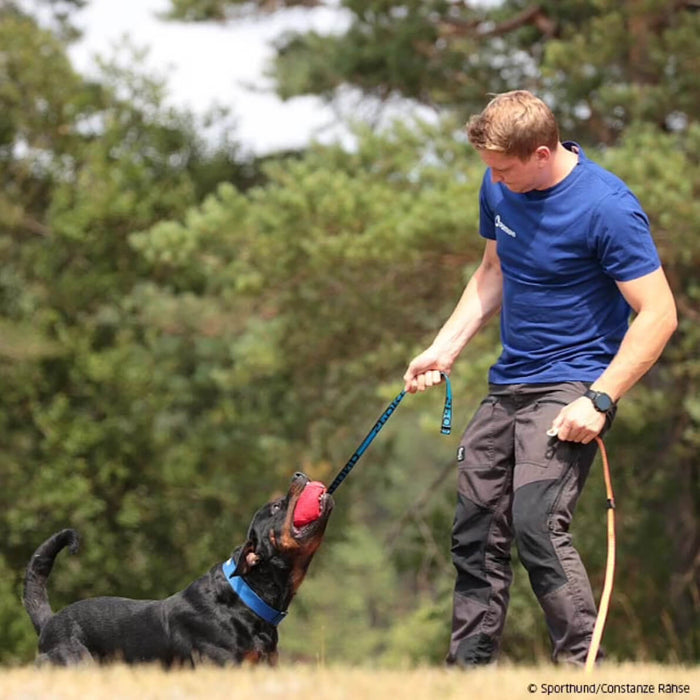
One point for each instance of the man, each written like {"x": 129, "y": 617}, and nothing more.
{"x": 568, "y": 253}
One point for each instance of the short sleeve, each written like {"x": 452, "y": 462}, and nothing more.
{"x": 621, "y": 238}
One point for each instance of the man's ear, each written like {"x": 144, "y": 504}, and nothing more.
{"x": 543, "y": 154}
{"x": 247, "y": 559}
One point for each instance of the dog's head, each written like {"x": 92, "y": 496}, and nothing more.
{"x": 278, "y": 551}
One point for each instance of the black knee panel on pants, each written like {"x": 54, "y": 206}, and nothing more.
{"x": 469, "y": 536}
{"x": 532, "y": 507}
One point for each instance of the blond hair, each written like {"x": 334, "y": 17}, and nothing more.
{"x": 515, "y": 123}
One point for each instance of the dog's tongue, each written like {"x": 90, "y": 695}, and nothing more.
{"x": 308, "y": 507}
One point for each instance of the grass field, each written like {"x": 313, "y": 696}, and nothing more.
{"x": 311, "y": 683}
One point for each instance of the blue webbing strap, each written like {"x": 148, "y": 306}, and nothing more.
{"x": 250, "y": 597}
{"x": 445, "y": 429}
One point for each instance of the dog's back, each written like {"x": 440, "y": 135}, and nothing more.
{"x": 108, "y": 628}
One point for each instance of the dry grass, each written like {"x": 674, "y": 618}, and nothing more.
{"x": 308, "y": 682}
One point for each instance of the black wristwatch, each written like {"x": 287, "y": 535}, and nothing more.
{"x": 601, "y": 401}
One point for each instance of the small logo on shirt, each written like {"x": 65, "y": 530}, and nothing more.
{"x": 499, "y": 224}
{"x": 460, "y": 454}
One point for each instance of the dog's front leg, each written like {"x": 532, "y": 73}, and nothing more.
{"x": 212, "y": 654}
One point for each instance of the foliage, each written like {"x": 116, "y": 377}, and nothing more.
{"x": 180, "y": 331}
{"x": 603, "y": 65}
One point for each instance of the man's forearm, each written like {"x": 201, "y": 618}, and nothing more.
{"x": 641, "y": 347}
{"x": 479, "y": 302}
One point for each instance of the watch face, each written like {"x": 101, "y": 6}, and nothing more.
{"x": 603, "y": 402}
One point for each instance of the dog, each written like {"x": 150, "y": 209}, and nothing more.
{"x": 227, "y": 616}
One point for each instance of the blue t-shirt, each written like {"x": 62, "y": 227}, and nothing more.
{"x": 561, "y": 252}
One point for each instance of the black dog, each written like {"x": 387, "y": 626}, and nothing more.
{"x": 229, "y": 615}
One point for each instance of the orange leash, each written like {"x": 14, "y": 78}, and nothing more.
{"x": 609, "y": 568}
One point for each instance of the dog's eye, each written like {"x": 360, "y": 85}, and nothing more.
{"x": 276, "y": 507}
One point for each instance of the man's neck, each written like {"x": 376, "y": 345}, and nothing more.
{"x": 563, "y": 163}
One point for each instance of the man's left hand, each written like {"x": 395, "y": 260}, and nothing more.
{"x": 578, "y": 422}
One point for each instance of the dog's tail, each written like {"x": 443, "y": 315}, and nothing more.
{"x": 35, "y": 597}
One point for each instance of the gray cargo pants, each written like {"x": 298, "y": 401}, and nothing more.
{"x": 515, "y": 482}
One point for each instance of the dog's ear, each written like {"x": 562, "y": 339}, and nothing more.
{"x": 247, "y": 559}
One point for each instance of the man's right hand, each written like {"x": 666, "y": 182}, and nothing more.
{"x": 424, "y": 371}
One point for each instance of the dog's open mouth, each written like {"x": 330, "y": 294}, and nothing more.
{"x": 313, "y": 503}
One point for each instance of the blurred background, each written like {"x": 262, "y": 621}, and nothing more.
{"x": 224, "y": 232}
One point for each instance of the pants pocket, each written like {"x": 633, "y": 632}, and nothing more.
{"x": 539, "y": 457}
{"x": 484, "y": 456}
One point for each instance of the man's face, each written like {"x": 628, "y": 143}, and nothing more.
{"x": 518, "y": 175}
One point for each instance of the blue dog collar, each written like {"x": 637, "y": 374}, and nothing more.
{"x": 250, "y": 597}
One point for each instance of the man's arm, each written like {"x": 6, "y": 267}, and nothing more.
{"x": 480, "y": 300}
{"x": 652, "y": 300}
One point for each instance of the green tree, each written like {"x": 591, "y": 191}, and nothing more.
{"x": 602, "y": 65}
{"x": 172, "y": 349}
{"x": 327, "y": 253}
{"x": 87, "y": 404}
{"x": 616, "y": 73}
